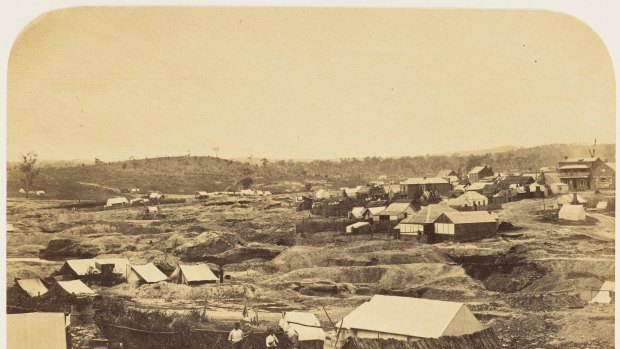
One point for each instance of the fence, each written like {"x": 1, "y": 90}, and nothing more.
{"x": 485, "y": 339}
{"x": 490, "y": 207}
{"x": 316, "y": 225}
{"x": 193, "y": 339}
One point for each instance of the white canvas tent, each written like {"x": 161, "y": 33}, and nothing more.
{"x": 406, "y": 318}
{"x": 601, "y": 206}
{"x": 306, "y": 325}
{"x": 606, "y": 294}
{"x": 146, "y": 273}
{"x": 193, "y": 274}
{"x": 33, "y": 287}
{"x": 119, "y": 201}
{"x": 572, "y": 213}
{"x": 36, "y": 330}
{"x": 76, "y": 287}
{"x": 355, "y": 226}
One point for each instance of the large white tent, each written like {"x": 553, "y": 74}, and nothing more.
{"x": 572, "y": 213}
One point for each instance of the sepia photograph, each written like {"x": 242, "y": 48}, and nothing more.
{"x": 212, "y": 177}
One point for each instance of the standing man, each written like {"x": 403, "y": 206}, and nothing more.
{"x": 235, "y": 337}
{"x": 271, "y": 341}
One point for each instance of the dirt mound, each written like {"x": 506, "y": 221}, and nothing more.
{"x": 171, "y": 292}
{"x": 207, "y": 243}
{"x": 251, "y": 251}
{"x": 545, "y": 302}
{"x": 59, "y": 249}
{"x": 388, "y": 277}
{"x": 360, "y": 254}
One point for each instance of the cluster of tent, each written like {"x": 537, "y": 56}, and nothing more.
{"x": 78, "y": 269}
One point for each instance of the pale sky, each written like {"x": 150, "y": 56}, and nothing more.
{"x": 117, "y": 82}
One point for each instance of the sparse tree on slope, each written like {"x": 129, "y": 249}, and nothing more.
{"x": 28, "y": 170}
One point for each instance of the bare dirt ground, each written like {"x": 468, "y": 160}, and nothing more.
{"x": 532, "y": 284}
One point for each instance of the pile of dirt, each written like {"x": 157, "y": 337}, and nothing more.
{"x": 177, "y": 292}
{"x": 60, "y": 249}
{"x": 252, "y": 251}
{"x": 388, "y": 277}
{"x": 544, "y": 301}
{"x": 207, "y": 243}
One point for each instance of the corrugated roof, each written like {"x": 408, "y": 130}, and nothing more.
{"x": 415, "y": 317}
{"x": 36, "y": 331}
{"x": 149, "y": 272}
{"x": 198, "y": 273}
{"x": 75, "y": 287}
{"x": 458, "y": 217}
{"x": 34, "y": 287}
{"x": 428, "y": 214}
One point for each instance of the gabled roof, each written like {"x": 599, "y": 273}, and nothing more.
{"x": 376, "y": 210}
{"x": 478, "y": 186}
{"x": 424, "y": 180}
{"x": 414, "y": 317}
{"x": 197, "y": 273}
{"x": 34, "y": 287}
{"x": 395, "y": 208}
{"x": 477, "y": 169}
{"x": 469, "y": 197}
{"x": 458, "y": 217}
{"x": 75, "y": 287}
{"x": 149, "y": 272}
{"x": 36, "y": 330}
{"x": 358, "y": 212}
{"x": 445, "y": 173}
{"x": 428, "y": 214}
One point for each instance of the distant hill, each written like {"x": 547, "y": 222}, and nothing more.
{"x": 184, "y": 175}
